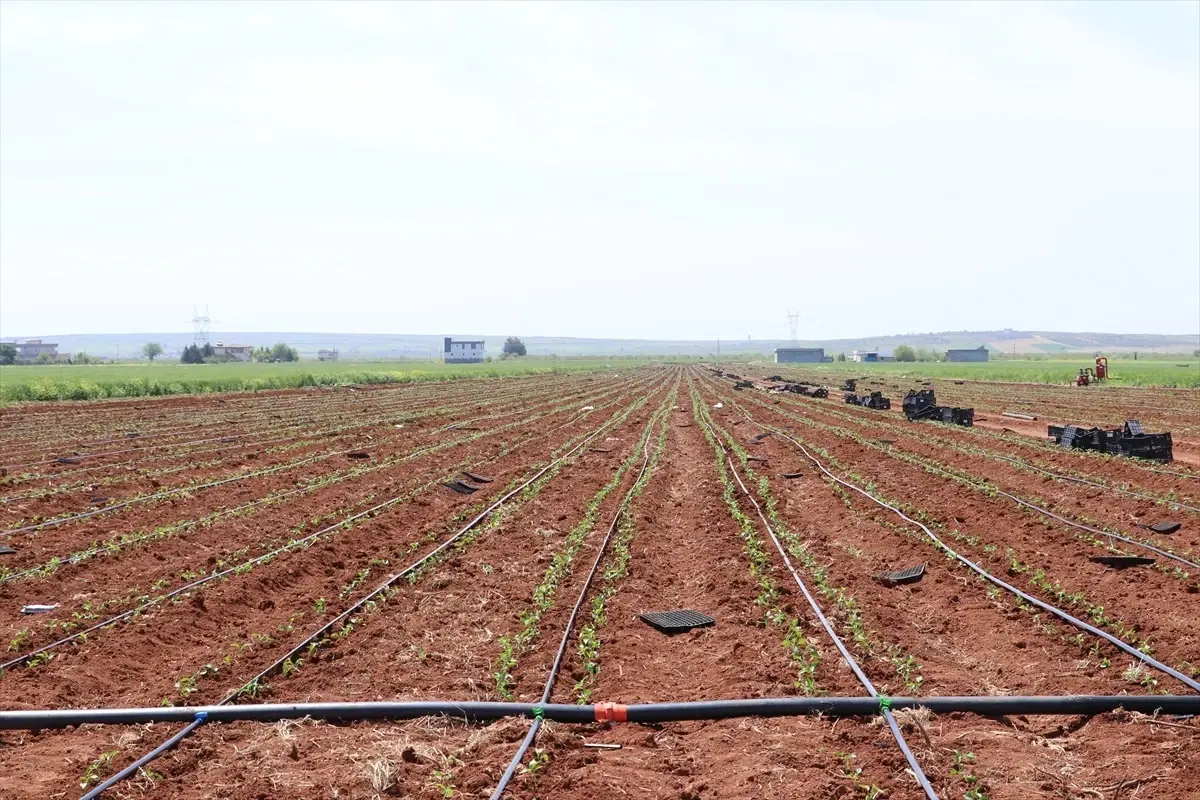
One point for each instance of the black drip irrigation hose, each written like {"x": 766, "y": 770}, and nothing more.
{"x": 1090, "y": 529}
{"x": 72, "y": 559}
{"x": 572, "y": 713}
{"x": 265, "y": 556}
{"x": 1079, "y": 525}
{"x": 199, "y": 716}
{"x": 198, "y": 719}
{"x": 1064, "y": 616}
{"x": 168, "y": 493}
{"x": 531, "y": 736}
{"x": 882, "y": 703}
{"x": 1086, "y": 482}
{"x": 1118, "y": 537}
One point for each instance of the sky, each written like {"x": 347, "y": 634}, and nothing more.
{"x": 625, "y": 170}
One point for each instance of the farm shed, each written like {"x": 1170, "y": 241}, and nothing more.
{"x": 871, "y": 356}
{"x": 234, "y": 352}
{"x": 30, "y": 349}
{"x": 977, "y": 354}
{"x": 799, "y": 355}
{"x": 463, "y": 351}
{"x": 327, "y": 355}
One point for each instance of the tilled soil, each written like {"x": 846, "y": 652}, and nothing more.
{"x": 440, "y": 635}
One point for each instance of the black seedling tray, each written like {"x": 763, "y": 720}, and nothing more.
{"x": 790, "y": 475}
{"x": 477, "y": 478}
{"x": 1165, "y": 528}
{"x": 461, "y": 488}
{"x": 5, "y": 550}
{"x": 1122, "y": 562}
{"x": 909, "y": 575}
{"x": 680, "y": 621}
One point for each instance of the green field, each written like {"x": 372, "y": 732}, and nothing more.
{"x": 1182, "y": 373}
{"x": 95, "y": 381}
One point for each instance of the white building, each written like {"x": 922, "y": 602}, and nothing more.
{"x": 234, "y": 352}
{"x": 873, "y": 355}
{"x": 462, "y": 352}
{"x": 30, "y": 349}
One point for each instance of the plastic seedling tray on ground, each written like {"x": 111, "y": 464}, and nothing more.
{"x": 680, "y": 621}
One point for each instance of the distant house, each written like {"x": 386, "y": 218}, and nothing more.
{"x": 800, "y": 355}
{"x": 462, "y": 352}
{"x": 327, "y": 355}
{"x": 977, "y": 354}
{"x": 871, "y": 356}
{"x": 233, "y": 352}
{"x": 30, "y": 349}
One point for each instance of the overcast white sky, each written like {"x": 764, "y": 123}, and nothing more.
{"x": 665, "y": 170}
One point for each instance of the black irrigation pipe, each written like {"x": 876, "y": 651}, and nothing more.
{"x": 260, "y": 414}
{"x": 315, "y": 636}
{"x": 857, "y": 706}
{"x": 1128, "y": 492}
{"x": 396, "y": 407}
{"x": 269, "y": 499}
{"x": 181, "y": 490}
{"x": 1063, "y": 615}
{"x": 198, "y": 719}
{"x": 1090, "y": 529}
{"x": 244, "y": 565}
{"x": 395, "y": 578}
{"x": 531, "y": 736}
{"x": 882, "y": 704}
{"x": 1048, "y": 513}
{"x": 171, "y": 492}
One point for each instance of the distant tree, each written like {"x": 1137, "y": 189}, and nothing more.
{"x": 8, "y": 353}
{"x": 152, "y": 350}
{"x": 262, "y": 354}
{"x": 83, "y": 358}
{"x": 514, "y": 346}
{"x": 207, "y": 351}
{"x": 841, "y": 357}
{"x": 905, "y": 352}
{"x": 281, "y": 352}
{"x": 192, "y": 355}
{"x": 44, "y": 358}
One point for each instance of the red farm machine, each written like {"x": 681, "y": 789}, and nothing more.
{"x": 1088, "y": 375}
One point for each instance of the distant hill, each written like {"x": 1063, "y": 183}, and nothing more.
{"x": 418, "y": 346}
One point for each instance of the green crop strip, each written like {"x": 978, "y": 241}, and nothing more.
{"x": 497, "y": 519}
{"x": 982, "y": 486}
{"x": 615, "y": 570}
{"x": 1036, "y": 578}
{"x": 1032, "y": 467}
{"x": 126, "y": 540}
{"x": 865, "y": 641}
{"x": 512, "y": 647}
{"x": 312, "y": 539}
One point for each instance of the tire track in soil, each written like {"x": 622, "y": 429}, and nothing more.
{"x": 1155, "y": 605}
{"x": 235, "y": 609}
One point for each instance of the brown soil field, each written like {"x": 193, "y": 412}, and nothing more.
{"x": 301, "y": 546}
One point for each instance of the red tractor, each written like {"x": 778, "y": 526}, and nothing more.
{"x": 1087, "y": 375}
